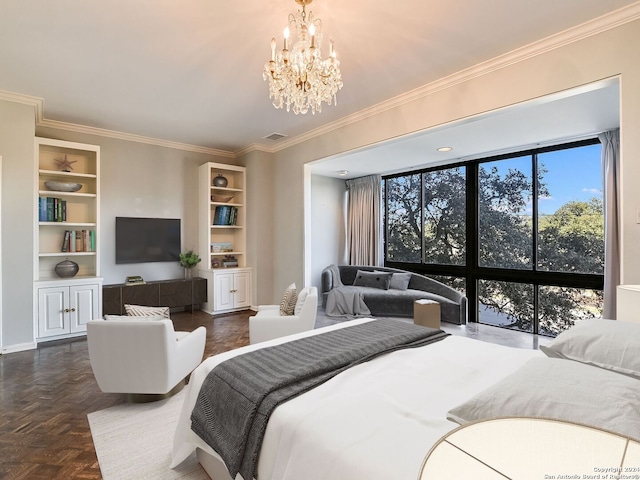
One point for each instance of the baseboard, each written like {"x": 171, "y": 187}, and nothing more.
{"x": 19, "y": 347}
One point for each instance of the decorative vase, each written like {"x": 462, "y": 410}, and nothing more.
{"x": 188, "y": 272}
{"x": 220, "y": 181}
{"x": 66, "y": 269}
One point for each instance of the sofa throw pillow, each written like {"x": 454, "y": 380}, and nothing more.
{"x": 379, "y": 280}
{"x": 400, "y": 281}
{"x": 302, "y": 296}
{"x": 610, "y": 344}
{"x": 288, "y": 302}
{"x": 144, "y": 311}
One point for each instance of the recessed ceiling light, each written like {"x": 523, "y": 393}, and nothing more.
{"x": 445, "y": 149}
{"x": 342, "y": 173}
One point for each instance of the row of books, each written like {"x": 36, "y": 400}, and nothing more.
{"x": 79, "y": 241}
{"x": 225, "y": 215}
{"x": 52, "y": 209}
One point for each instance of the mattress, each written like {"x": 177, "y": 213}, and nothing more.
{"x": 375, "y": 421}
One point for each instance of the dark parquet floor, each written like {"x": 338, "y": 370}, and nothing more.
{"x": 46, "y": 394}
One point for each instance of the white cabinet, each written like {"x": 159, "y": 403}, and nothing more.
{"x": 66, "y": 227}
{"x": 64, "y": 310}
{"x": 229, "y": 289}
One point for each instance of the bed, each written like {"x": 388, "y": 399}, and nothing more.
{"x": 379, "y": 419}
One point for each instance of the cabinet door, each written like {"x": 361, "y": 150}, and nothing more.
{"x": 242, "y": 287}
{"x": 223, "y": 291}
{"x": 83, "y": 306}
{"x": 52, "y": 319}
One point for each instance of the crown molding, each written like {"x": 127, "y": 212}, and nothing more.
{"x": 35, "y": 102}
{"x": 40, "y": 121}
{"x": 255, "y": 147}
{"x": 598, "y": 25}
{"x": 102, "y": 132}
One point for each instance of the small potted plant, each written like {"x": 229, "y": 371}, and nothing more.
{"x": 188, "y": 261}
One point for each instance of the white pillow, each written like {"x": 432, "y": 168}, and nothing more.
{"x": 560, "y": 390}
{"x": 128, "y": 318}
{"x": 400, "y": 281}
{"x": 288, "y": 302}
{"x": 144, "y": 311}
{"x": 302, "y": 296}
{"x": 610, "y": 344}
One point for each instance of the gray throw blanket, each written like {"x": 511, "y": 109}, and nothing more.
{"x": 346, "y": 301}
{"x": 239, "y": 395}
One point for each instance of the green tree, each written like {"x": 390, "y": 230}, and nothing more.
{"x": 445, "y": 216}
{"x": 572, "y": 240}
{"x": 403, "y": 219}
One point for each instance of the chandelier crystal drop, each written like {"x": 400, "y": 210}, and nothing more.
{"x": 298, "y": 75}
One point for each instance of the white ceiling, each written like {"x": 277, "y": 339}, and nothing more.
{"x": 191, "y": 71}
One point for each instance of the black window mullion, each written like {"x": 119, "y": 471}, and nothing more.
{"x": 472, "y": 230}
{"x": 534, "y": 232}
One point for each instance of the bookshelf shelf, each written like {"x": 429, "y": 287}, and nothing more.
{"x": 51, "y": 193}
{"x": 66, "y": 254}
{"x": 64, "y": 305}
{"x": 225, "y": 189}
{"x": 58, "y": 174}
{"x": 222, "y": 224}
{"x": 66, "y": 225}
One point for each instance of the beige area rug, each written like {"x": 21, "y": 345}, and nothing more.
{"x": 134, "y": 441}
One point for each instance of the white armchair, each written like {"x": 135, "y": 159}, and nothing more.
{"x": 142, "y": 356}
{"x": 268, "y": 323}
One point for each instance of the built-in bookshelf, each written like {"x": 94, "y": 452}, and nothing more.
{"x": 222, "y": 233}
{"x": 67, "y": 227}
{"x": 61, "y": 213}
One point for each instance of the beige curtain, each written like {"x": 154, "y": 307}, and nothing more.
{"x": 364, "y": 232}
{"x": 611, "y": 180}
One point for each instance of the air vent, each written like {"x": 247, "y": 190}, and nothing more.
{"x": 275, "y": 136}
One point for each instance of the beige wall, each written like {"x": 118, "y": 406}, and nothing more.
{"x": 592, "y": 59}
{"x": 260, "y": 224}
{"x": 18, "y": 176}
{"x": 136, "y": 180}
{"x": 140, "y": 180}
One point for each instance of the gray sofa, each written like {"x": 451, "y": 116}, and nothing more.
{"x": 399, "y": 303}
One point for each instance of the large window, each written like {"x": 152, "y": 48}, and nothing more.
{"x": 522, "y": 235}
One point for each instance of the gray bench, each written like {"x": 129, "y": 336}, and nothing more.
{"x": 399, "y": 303}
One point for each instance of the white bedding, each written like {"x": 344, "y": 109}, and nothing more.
{"x": 374, "y": 421}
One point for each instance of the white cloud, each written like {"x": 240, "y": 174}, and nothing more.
{"x": 594, "y": 191}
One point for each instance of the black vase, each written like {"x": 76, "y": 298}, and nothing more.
{"x": 66, "y": 269}
{"x": 220, "y": 181}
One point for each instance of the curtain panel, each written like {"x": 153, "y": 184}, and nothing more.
{"x": 611, "y": 183}
{"x": 364, "y": 232}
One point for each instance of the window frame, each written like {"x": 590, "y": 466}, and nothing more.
{"x": 472, "y": 272}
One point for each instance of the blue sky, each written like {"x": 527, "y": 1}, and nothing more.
{"x": 572, "y": 174}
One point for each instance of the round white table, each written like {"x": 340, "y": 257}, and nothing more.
{"x": 531, "y": 449}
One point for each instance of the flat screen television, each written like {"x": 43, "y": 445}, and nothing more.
{"x": 141, "y": 240}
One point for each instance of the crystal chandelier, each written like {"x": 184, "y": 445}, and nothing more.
{"x": 298, "y": 77}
